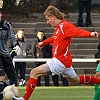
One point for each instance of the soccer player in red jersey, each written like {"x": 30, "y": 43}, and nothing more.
{"x": 61, "y": 62}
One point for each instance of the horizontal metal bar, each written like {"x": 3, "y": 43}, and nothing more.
{"x": 45, "y": 59}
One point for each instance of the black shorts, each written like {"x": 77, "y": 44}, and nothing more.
{"x": 6, "y": 67}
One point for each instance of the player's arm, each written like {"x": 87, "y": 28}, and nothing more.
{"x": 71, "y": 31}
{"x": 47, "y": 41}
{"x": 14, "y": 41}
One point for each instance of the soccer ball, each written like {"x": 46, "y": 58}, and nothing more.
{"x": 10, "y": 91}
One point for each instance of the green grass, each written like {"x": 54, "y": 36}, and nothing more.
{"x": 61, "y": 93}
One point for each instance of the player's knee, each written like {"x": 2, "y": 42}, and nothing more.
{"x": 74, "y": 80}
{"x": 77, "y": 80}
{"x": 33, "y": 72}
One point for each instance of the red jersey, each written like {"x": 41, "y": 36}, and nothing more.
{"x": 61, "y": 40}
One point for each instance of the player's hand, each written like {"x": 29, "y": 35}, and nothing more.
{"x": 40, "y": 45}
{"x": 94, "y": 34}
{"x": 17, "y": 49}
{"x": 13, "y": 53}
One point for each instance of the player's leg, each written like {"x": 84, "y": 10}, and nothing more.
{"x": 2, "y": 77}
{"x": 17, "y": 66}
{"x": 46, "y": 78}
{"x": 96, "y": 86}
{"x": 88, "y": 11}
{"x": 83, "y": 79}
{"x": 64, "y": 81}
{"x": 1, "y": 86}
{"x": 6, "y": 66}
{"x": 97, "y": 95}
{"x": 22, "y": 73}
{"x": 55, "y": 80}
{"x": 42, "y": 70}
{"x": 9, "y": 70}
{"x": 81, "y": 10}
{"x": 97, "y": 74}
{"x": 39, "y": 78}
{"x": 56, "y": 67}
{"x": 39, "y": 81}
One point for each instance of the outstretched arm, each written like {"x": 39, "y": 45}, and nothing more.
{"x": 71, "y": 31}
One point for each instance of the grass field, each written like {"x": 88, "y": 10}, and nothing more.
{"x": 61, "y": 93}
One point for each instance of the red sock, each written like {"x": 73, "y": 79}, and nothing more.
{"x": 86, "y": 79}
{"x": 29, "y": 88}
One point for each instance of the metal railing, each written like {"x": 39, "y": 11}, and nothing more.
{"x": 45, "y": 59}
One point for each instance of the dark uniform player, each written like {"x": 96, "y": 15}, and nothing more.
{"x": 6, "y": 65}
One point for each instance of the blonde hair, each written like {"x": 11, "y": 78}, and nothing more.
{"x": 16, "y": 35}
{"x": 51, "y": 10}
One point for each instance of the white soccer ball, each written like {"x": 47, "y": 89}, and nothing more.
{"x": 10, "y": 91}
{"x": 8, "y": 95}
